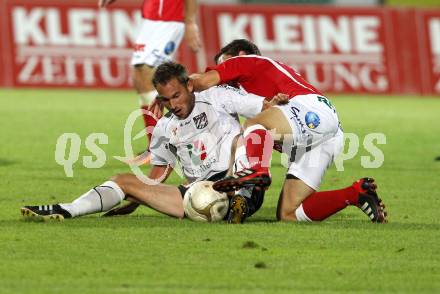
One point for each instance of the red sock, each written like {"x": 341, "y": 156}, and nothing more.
{"x": 149, "y": 121}
{"x": 258, "y": 143}
{"x": 321, "y": 205}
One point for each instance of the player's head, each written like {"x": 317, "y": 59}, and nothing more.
{"x": 175, "y": 88}
{"x": 235, "y": 48}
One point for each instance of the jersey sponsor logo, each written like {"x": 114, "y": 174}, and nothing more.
{"x": 169, "y": 48}
{"x": 201, "y": 120}
{"x": 197, "y": 152}
{"x": 295, "y": 111}
{"x": 185, "y": 123}
{"x": 312, "y": 120}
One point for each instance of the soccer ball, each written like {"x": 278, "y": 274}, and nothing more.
{"x": 203, "y": 204}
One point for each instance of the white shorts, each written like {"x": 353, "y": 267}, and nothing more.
{"x": 317, "y": 137}
{"x": 157, "y": 42}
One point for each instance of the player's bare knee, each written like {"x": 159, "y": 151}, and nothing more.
{"x": 122, "y": 180}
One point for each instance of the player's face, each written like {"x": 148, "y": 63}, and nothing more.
{"x": 176, "y": 97}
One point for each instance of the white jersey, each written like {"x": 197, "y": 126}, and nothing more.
{"x": 202, "y": 142}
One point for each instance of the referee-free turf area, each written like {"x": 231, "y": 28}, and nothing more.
{"x": 148, "y": 252}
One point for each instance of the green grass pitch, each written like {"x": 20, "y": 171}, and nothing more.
{"x": 151, "y": 253}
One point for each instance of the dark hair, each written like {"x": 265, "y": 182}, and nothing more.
{"x": 234, "y": 48}
{"x": 168, "y": 71}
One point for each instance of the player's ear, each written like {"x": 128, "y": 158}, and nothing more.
{"x": 190, "y": 85}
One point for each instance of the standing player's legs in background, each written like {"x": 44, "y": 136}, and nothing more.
{"x": 156, "y": 43}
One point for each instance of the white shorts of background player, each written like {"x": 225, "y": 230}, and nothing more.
{"x": 314, "y": 145}
{"x": 157, "y": 42}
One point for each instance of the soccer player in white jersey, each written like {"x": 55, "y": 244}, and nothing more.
{"x": 198, "y": 132}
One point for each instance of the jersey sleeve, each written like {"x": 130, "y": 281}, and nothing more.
{"x": 235, "y": 69}
{"x": 235, "y": 101}
{"x": 161, "y": 153}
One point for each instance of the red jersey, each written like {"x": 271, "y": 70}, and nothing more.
{"x": 165, "y": 10}
{"x": 263, "y": 76}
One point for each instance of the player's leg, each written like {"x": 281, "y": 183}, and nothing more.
{"x": 163, "y": 198}
{"x": 143, "y": 70}
{"x": 142, "y": 75}
{"x": 98, "y": 199}
{"x": 260, "y": 133}
{"x": 306, "y": 170}
{"x": 156, "y": 42}
{"x": 249, "y": 198}
{"x": 258, "y": 143}
{"x": 310, "y": 157}
{"x": 298, "y": 202}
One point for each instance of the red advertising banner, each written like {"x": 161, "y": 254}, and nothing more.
{"x": 67, "y": 44}
{"x": 50, "y": 43}
{"x": 336, "y": 49}
{"x": 53, "y": 43}
{"x": 428, "y": 30}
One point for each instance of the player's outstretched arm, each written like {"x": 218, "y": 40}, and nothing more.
{"x": 192, "y": 35}
{"x": 203, "y": 81}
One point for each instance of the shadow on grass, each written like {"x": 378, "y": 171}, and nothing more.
{"x": 6, "y": 162}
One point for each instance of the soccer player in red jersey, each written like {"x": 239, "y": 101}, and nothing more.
{"x": 164, "y": 24}
{"x": 309, "y": 128}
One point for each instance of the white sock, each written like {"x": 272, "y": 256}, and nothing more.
{"x": 101, "y": 198}
{"x": 241, "y": 161}
{"x": 147, "y": 97}
{"x": 301, "y": 215}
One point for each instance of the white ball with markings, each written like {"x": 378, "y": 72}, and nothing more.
{"x": 203, "y": 204}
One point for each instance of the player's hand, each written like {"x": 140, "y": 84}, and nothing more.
{"x": 104, "y": 3}
{"x": 192, "y": 36}
{"x": 279, "y": 99}
{"x": 156, "y": 108}
{"x": 122, "y": 210}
